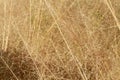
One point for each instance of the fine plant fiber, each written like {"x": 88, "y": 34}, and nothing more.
{"x": 59, "y": 40}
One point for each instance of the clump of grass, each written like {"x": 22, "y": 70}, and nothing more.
{"x": 61, "y": 72}
{"x": 16, "y": 65}
{"x": 69, "y": 39}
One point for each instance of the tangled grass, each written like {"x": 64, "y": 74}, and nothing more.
{"x": 16, "y": 65}
{"x": 59, "y": 40}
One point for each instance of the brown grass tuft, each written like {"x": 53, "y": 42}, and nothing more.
{"x": 16, "y": 65}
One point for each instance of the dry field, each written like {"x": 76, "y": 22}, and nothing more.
{"x": 59, "y": 39}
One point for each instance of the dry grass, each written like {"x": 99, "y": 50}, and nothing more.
{"x": 17, "y": 66}
{"x": 59, "y": 40}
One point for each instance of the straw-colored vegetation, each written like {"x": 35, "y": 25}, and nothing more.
{"x": 59, "y": 40}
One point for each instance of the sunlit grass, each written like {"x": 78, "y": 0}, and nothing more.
{"x": 63, "y": 39}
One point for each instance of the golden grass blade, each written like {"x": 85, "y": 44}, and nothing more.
{"x": 109, "y": 5}
{"x": 54, "y": 15}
